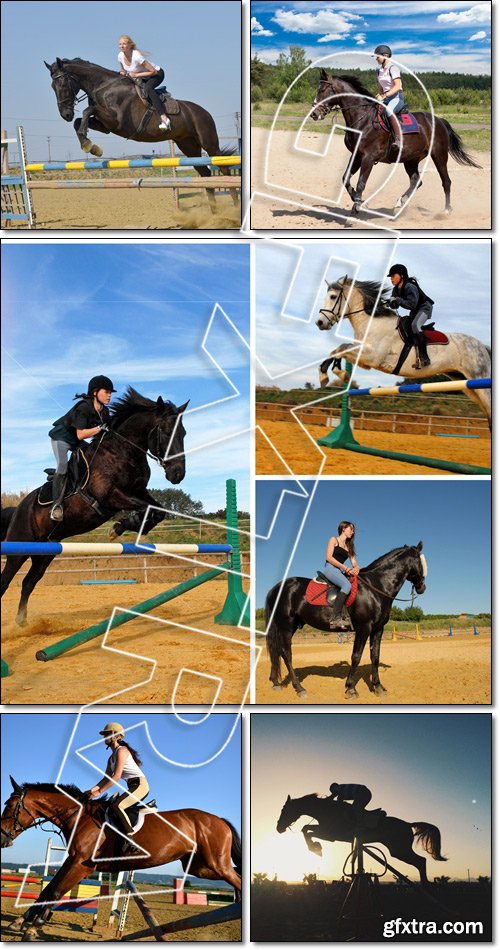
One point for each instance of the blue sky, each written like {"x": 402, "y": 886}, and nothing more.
{"x": 197, "y": 44}
{"x": 138, "y": 313}
{"x": 452, "y": 518}
{"x": 419, "y": 767}
{"x": 453, "y": 274}
{"x": 213, "y": 787}
{"x": 423, "y": 34}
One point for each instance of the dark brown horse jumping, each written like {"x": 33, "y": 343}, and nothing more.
{"x": 115, "y": 106}
{"x": 436, "y": 138}
{"x": 287, "y": 610}
{"x": 206, "y": 845}
{"x": 116, "y": 480}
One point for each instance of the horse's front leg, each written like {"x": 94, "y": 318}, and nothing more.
{"x": 375, "y": 641}
{"x": 357, "y": 652}
{"x": 364, "y": 174}
{"x": 341, "y": 352}
{"x": 70, "y": 873}
{"x": 310, "y": 832}
{"x": 351, "y": 169}
{"x": 81, "y": 127}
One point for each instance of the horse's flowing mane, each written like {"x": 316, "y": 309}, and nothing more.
{"x": 77, "y": 61}
{"x": 72, "y": 790}
{"x": 384, "y": 558}
{"x": 356, "y": 84}
{"x": 369, "y": 290}
{"x": 131, "y": 402}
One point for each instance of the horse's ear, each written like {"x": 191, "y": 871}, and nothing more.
{"x": 15, "y": 786}
{"x": 289, "y": 799}
{"x": 47, "y": 65}
{"x": 160, "y": 405}
{"x": 181, "y": 409}
{"x": 420, "y": 545}
{"x": 59, "y": 62}
{"x": 323, "y": 74}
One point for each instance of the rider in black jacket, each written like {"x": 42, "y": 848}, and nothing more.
{"x": 409, "y": 295}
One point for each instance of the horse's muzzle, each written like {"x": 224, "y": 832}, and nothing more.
{"x": 174, "y": 471}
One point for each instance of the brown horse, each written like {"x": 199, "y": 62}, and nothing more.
{"x": 205, "y": 844}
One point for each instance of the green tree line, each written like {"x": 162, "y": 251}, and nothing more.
{"x": 270, "y": 82}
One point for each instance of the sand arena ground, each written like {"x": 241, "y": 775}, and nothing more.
{"x": 322, "y": 178}
{"x": 437, "y": 670}
{"x": 304, "y": 457}
{"x": 91, "y": 671}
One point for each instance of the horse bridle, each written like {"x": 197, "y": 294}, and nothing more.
{"x": 18, "y": 828}
{"x": 335, "y": 106}
{"x": 147, "y": 452}
{"x": 336, "y": 310}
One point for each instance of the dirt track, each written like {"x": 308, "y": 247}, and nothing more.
{"x": 451, "y": 670}
{"x": 90, "y": 672}
{"x": 65, "y": 927}
{"x": 322, "y": 177}
{"x": 132, "y": 208}
{"x": 304, "y": 457}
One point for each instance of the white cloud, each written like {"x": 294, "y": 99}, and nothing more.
{"x": 324, "y": 21}
{"x": 478, "y": 36}
{"x": 331, "y": 37}
{"x": 258, "y": 30}
{"x": 480, "y": 13}
{"x": 360, "y": 38}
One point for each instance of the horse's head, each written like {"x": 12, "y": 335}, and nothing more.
{"x": 65, "y": 87}
{"x": 417, "y": 568}
{"x": 166, "y": 440}
{"x": 289, "y": 813}
{"x": 326, "y": 99}
{"x": 334, "y": 303}
{"x": 16, "y": 816}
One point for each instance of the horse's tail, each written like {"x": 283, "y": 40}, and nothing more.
{"x": 229, "y": 150}
{"x": 236, "y": 857}
{"x": 456, "y": 147}
{"x": 429, "y": 837}
{"x": 273, "y": 639}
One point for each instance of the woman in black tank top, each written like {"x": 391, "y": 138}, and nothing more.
{"x": 338, "y": 551}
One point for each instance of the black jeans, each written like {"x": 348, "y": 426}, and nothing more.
{"x": 149, "y": 86}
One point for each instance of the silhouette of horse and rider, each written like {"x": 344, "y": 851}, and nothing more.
{"x": 342, "y": 816}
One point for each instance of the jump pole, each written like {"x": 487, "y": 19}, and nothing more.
{"x": 233, "y": 612}
{"x": 219, "y": 916}
{"x": 98, "y": 629}
{"x": 342, "y": 437}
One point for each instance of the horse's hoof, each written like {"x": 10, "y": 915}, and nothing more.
{"x": 96, "y": 150}
{"x": 301, "y": 693}
{"x": 21, "y": 622}
{"x": 16, "y": 925}
{"x": 379, "y": 690}
{"x": 398, "y": 205}
{"x": 277, "y": 686}
{"x": 351, "y": 693}
{"x": 87, "y": 145}
{"x": 448, "y": 210}
{"x": 31, "y": 934}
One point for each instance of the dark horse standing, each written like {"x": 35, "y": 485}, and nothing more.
{"x": 336, "y": 823}
{"x": 375, "y": 145}
{"x": 117, "y": 473}
{"x": 115, "y": 106}
{"x": 206, "y": 845}
{"x": 378, "y": 585}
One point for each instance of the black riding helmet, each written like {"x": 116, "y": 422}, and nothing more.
{"x": 383, "y": 50}
{"x": 399, "y": 269}
{"x": 100, "y": 382}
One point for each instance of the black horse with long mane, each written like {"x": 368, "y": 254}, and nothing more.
{"x": 115, "y": 106}
{"x": 379, "y": 583}
{"x": 435, "y": 137}
{"x": 115, "y": 475}
{"x": 336, "y": 822}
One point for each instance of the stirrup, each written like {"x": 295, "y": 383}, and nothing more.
{"x": 57, "y": 512}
